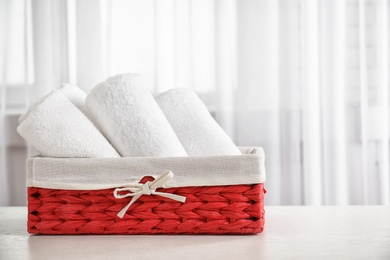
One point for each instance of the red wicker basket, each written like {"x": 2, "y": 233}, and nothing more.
{"x": 60, "y": 203}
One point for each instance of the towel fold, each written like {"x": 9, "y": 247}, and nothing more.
{"x": 196, "y": 129}
{"x": 129, "y": 117}
{"x": 57, "y": 128}
{"x": 73, "y": 93}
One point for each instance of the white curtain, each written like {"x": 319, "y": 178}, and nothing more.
{"x": 305, "y": 79}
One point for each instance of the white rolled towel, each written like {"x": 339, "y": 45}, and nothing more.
{"x": 196, "y": 129}
{"x": 57, "y": 128}
{"x": 129, "y": 117}
{"x": 73, "y": 93}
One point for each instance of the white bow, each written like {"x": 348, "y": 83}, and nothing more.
{"x": 147, "y": 189}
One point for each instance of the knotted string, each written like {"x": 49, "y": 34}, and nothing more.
{"x": 148, "y": 188}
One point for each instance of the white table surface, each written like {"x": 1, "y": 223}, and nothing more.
{"x": 354, "y": 232}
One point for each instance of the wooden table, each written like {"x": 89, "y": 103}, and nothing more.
{"x": 353, "y": 232}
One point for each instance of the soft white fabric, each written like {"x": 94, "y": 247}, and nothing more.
{"x": 57, "y": 128}
{"x": 102, "y": 173}
{"x": 193, "y": 124}
{"x": 262, "y": 67}
{"x": 70, "y": 91}
{"x": 129, "y": 117}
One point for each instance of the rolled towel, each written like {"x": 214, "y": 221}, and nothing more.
{"x": 57, "y": 128}
{"x": 196, "y": 129}
{"x": 70, "y": 91}
{"x": 129, "y": 117}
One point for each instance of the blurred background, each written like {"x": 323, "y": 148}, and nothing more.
{"x": 308, "y": 80}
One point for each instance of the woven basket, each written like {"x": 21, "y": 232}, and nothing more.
{"x": 208, "y": 209}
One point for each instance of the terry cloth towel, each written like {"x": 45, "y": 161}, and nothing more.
{"x": 57, "y": 128}
{"x": 196, "y": 129}
{"x": 70, "y": 91}
{"x": 129, "y": 117}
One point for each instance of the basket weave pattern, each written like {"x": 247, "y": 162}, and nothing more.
{"x": 234, "y": 209}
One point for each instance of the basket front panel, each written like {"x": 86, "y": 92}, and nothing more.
{"x": 235, "y": 209}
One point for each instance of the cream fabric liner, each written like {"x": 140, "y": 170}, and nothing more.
{"x": 102, "y": 173}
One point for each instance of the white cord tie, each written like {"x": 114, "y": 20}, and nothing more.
{"x": 148, "y": 188}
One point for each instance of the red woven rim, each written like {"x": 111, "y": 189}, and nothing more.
{"x": 236, "y": 209}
